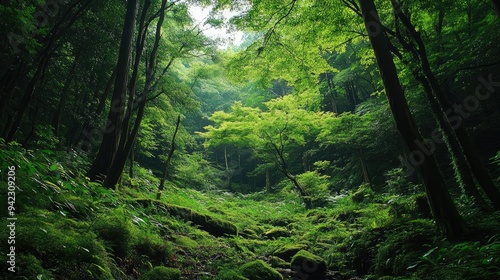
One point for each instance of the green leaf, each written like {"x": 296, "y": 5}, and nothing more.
{"x": 53, "y": 167}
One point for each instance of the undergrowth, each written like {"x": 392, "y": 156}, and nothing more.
{"x": 70, "y": 228}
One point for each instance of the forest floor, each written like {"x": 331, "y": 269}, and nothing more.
{"x": 69, "y": 228}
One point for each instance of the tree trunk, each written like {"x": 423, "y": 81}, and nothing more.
{"x": 475, "y": 163}
{"x": 228, "y": 172}
{"x": 132, "y": 86}
{"x": 121, "y": 158}
{"x": 364, "y": 167}
{"x": 443, "y": 209}
{"x": 331, "y": 92}
{"x": 303, "y": 194}
{"x": 111, "y": 138}
{"x": 496, "y": 5}
{"x": 169, "y": 158}
{"x": 268, "y": 181}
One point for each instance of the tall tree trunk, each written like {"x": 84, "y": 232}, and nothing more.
{"x": 111, "y": 138}
{"x": 121, "y": 158}
{"x": 161, "y": 187}
{"x": 132, "y": 86}
{"x": 443, "y": 209}
{"x": 476, "y": 165}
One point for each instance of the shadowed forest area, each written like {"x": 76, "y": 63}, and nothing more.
{"x": 312, "y": 140}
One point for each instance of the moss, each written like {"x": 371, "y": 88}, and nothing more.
{"x": 259, "y": 270}
{"x": 29, "y": 267}
{"x": 117, "y": 231}
{"x": 68, "y": 253}
{"x": 151, "y": 249}
{"x": 308, "y": 264}
{"x": 162, "y": 273}
{"x": 358, "y": 196}
{"x": 186, "y": 242}
{"x": 288, "y": 251}
{"x": 230, "y": 275}
{"x": 212, "y": 225}
{"x": 248, "y": 233}
{"x": 279, "y": 262}
{"x": 77, "y": 207}
{"x": 277, "y": 232}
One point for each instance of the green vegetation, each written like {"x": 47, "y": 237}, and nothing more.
{"x": 259, "y": 270}
{"x": 346, "y": 139}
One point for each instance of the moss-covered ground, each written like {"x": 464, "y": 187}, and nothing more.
{"x": 70, "y": 228}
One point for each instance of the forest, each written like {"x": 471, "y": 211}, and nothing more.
{"x": 314, "y": 139}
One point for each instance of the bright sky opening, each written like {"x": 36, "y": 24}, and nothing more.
{"x": 226, "y": 37}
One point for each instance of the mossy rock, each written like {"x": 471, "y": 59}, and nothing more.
{"x": 210, "y": 224}
{"x": 277, "y": 232}
{"x": 278, "y": 262}
{"x": 259, "y": 270}
{"x": 288, "y": 251}
{"x": 308, "y": 264}
{"x": 162, "y": 273}
{"x": 230, "y": 275}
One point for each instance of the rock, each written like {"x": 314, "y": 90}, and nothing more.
{"x": 308, "y": 266}
{"x": 288, "y": 251}
{"x": 162, "y": 273}
{"x": 277, "y": 232}
{"x": 277, "y": 262}
{"x": 259, "y": 270}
